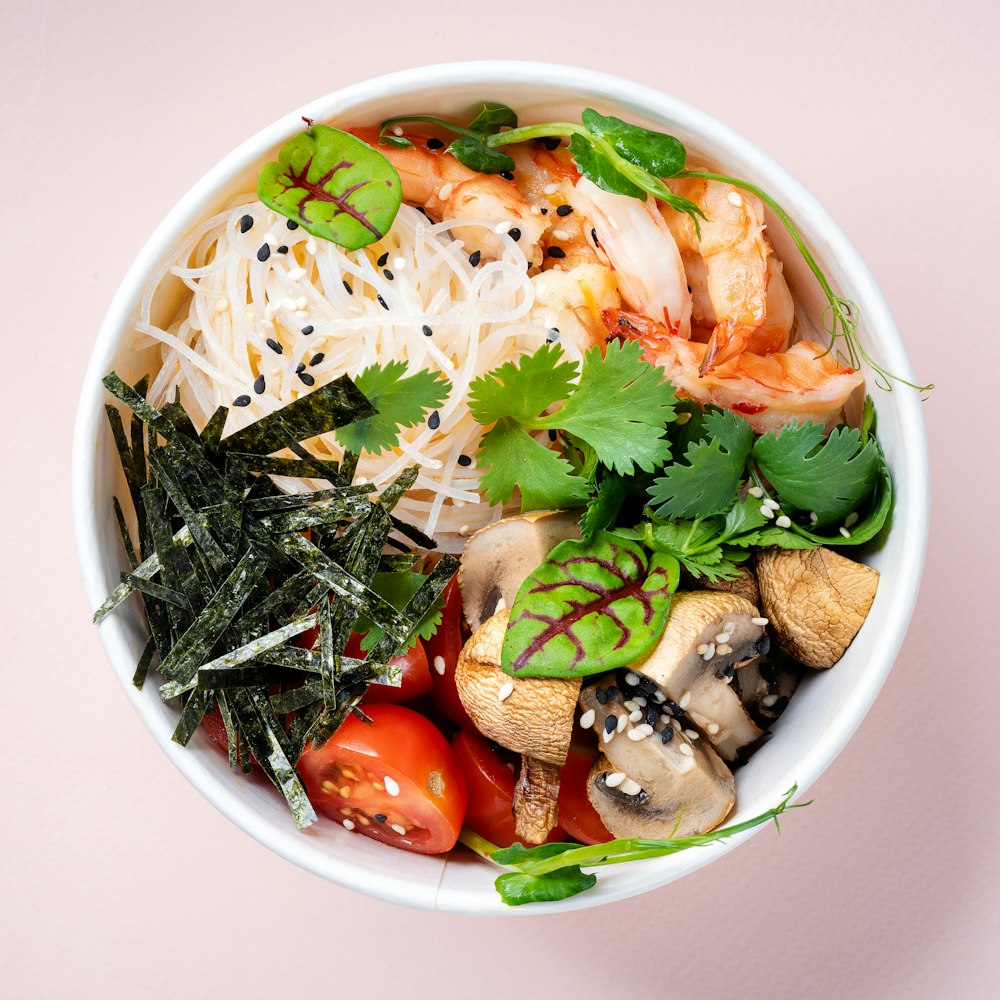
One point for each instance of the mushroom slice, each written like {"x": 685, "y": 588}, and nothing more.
{"x": 765, "y": 685}
{"x": 497, "y": 559}
{"x": 744, "y": 584}
{"x": 709, "y": 636}
{"x": 536, "y": 799}
{"x": 816, "y": 601}
{"x": 647, "y": 783}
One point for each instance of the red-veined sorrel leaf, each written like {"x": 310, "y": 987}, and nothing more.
{"x": 590, "y": 607}
{"x": 333, "y": 185}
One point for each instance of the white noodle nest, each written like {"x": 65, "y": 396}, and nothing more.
{"x": 217, "y": 345}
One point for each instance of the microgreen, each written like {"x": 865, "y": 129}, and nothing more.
{"x": 334, "y": 186}
{"x": 590, "y": 607}
{"x": 552, "y": 872}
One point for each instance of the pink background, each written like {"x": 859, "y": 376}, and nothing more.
{"x": 886, "y": 887}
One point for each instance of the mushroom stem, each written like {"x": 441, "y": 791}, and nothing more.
{"x": 536, "y": 800}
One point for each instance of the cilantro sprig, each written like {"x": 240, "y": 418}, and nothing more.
{"x": 613, "y": 413}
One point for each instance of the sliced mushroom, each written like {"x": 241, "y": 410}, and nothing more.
{"x": 765, "y": 685}
{"x": 530, "y": 715}
{"x": 647, "y": 780}
{"x": 497, "y": 559}
{"x": 709, "y": 636}
{"x": 745, "y": 585}
{"x": 816, "y": 601}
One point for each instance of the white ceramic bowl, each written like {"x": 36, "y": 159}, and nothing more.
{"x": 825, "y": 711}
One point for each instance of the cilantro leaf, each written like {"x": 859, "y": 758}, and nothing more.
{"x": 523, "y": 390}
{"x": 696, "y": 546}
{"x": 708, "y": 482}
{"x": 604, "y": 506}
{"x": 400, "y": 402}
{"x": 515, "y": 458}
{"x": 398, "y": 589}
{"x": 829, "y": 475}
{"x": 620, "y": 408}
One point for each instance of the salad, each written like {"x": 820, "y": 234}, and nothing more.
{"x": 493, "y": 488}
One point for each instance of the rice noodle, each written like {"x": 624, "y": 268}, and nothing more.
{"x": 217, "y": 344}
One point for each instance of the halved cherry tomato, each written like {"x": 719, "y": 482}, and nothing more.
{"x": 576, "y": 814}
{"x": 395, "y": 780}
{"x": 216, "y": 728}
{"x": 416, "y": 675}
{"x": 442, "y": 653}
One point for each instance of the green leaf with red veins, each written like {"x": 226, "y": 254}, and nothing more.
{"x": 334, "y": 186}
{"x": 590, "y": 607}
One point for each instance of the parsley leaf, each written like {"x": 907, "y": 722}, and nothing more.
{"x": 400, "y": 402}
{"x": 829, "y": 475}
{"x": 521, "y": 391}
{"x": 515, "y": 458}
{"x": 714, "y": 470}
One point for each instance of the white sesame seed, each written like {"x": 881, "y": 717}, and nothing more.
{"x": 445, "y": 191}
{"x": 587, "y": 719}
{"x": 270, "y": 239}
{"x": 729, "y": 627}
{"x": 729, "y": 678}
{"x": 700, "y": 648}
{"x": 348, "y": 825}
{"x": 685, "y": 700}
{"x": 712, "y": 728}
{"x": 722, "y": 637}
{"x": 784, "y": 521}
{"x": 709, "y": 652}
{"x": 635, "y": 715}
{"x": 659, "y": 697}
{"x": 851, "y": 519}
{"x": 296, "y": 274}
{"x": 845, "y": 532}
{"x": 622, "y": 722}
{"x": 640, "y": 701}
{"x": 535, "y": 210}
{"x": 734, "y": 199}
{"x": 614, "y": 779}
{"x": 813, "y": 517}
{"x": 401, "y": 830}
{"x": 630, "y": 706}
{"x": 465, "y": 530}
{"x": 758, "y": 621}
{"x": 550, "y": 188}
{"x": 397, "y": 130}
{"x": 723, "y": 649}
{"x": 682, "y": 418}
{"x": 769, "y": 700}
{"x": 638, "y": 734}
{"x": 506, "y": 691}
{"x": 301, "y": 302}
{"x": 439, "y": 665}
{"x": 766, "y": 512}
{"x": 399, "y": 263}
{"x": 630, "y": 787}
{"x": 773, "y": 504}
{"x": 222, "y": 305}
{"x": 607, "y": 737}
{"x": 691, "y": 734}
{"x": 310, "y": 245}
{"x": 502, "y": 227}
{"x": 756, "y": 492}
{"x": 632, "y": 679}
{"x": 560, "y": 234}
{"x": 391, "y": 786}
{"x": 685, "y": 748}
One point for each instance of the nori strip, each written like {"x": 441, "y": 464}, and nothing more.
{"x": 232, "y": 737}
{"x": 392, "y": 494}
{"x": 328, "y": 662}
{"x": 194, "y": 711}
{"x": 414, "y": 534}
{"x": 155, "y": 590}
{"x": 133, "y": 559}
{"x": 322, "y": 469}
{"x": 182, "y": 662}
{"x": 212, "y": 434}
{"x": 173, "y": 572}
{"x": 295, "y": 501}
{"x": 324, "y": 409}
{"x": 328, "y": 512}
{"x": 142, "y": 667}
{"x": 349, "y": 465}
{"x": 145, "y": 411}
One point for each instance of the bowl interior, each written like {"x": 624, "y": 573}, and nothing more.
{"x": 825, "y": 711}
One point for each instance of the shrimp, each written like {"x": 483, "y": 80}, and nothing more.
{"x": 728, "y": 269}
{"x": 771, "y": 390}
{"x": 643, "y": 253}
{"x": 571, "y": 302}
{"x": 446, "y": 189}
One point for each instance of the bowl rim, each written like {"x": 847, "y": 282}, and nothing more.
{"x": 912, "y": 508}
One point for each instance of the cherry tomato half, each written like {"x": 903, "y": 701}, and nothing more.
{"x": 395, "y": 780}
{"x": 416, "y": 675}
{"x": 442, "y": 653}
{"x": 576, "y": 814}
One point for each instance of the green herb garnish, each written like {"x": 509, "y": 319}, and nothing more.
{"x": 551, "y": 872}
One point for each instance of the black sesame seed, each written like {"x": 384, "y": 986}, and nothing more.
{"x": 383, "y": 260}
{"x": 667, "y": 735}
{"x": 317, "y": 359}
{"x": 282, "y": 249}
{"x": 292, "y": 225}
{"x": 246, "y": 223}
{"x": 764, "y": 644}
{"x": 258, "y": 385}
{"x": 602, "y": 696}
{"x": 435, "y": 144}
{"x": 612, "y": 693}
{"x": 593, "y": 236}
{"x": 545, "y": 211}
{"x": 387, "y": 273}
{"x": 464, "y": 460}
{"x": 514, "y": 234}
{"x": 475, "y": 257}
{"x": 557, "y": 252}
{"x": 348, "y": 289}
{"x": 552, "y": 142}
{"x": 381, "y": 302}
{"x": 241, "y": 401}
{"x": 553, "y": 435}
{"x": 300, "y": 367}
{"x": 380, "y": 817}
{"x": 306, "y": 330}
{"x": 263, "y": 253}
{"x": 671, "y": 707}
{"x": 652, "y": 714}
{"x": 611, "y": 723}
{"x": 507, "y": 175}
{"x": 307, "y": 378}
{"x": 563, "y": 210}
{"x": 434, "y": 421}
{"x": 274, "y": 345}
{"x": 428, "y": 332}
{"x": 647, "y": 686}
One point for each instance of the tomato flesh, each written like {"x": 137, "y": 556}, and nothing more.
{"x": 442, "y": 653}
{"x": 416, "y": 675}
{"x": 490, "y": 785}
{"x": 580, "y": 819}
{"x": 395, "y": 780}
